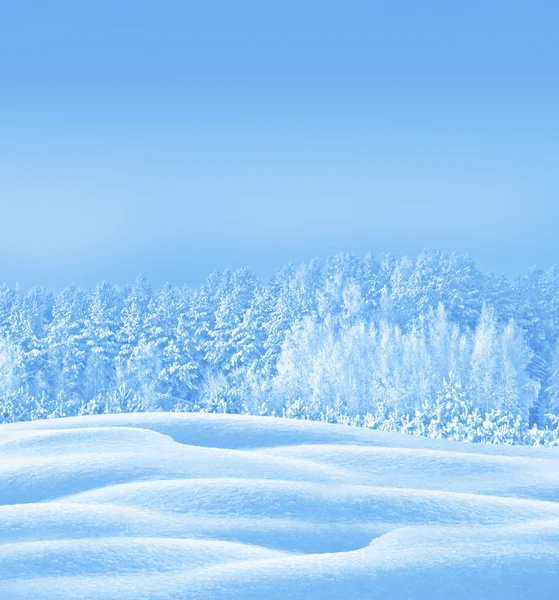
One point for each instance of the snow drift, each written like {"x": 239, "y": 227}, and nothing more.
{"x": 194, "y": 506}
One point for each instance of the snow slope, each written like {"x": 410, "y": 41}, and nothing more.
{"x": 193, "y": 506}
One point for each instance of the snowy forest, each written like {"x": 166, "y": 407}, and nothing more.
{"x": 432, "y": 346}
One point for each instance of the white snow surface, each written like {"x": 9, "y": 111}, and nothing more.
{"x": 195, "y": 506}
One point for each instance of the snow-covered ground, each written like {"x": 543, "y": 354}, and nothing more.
{"x": 194, "y": 506}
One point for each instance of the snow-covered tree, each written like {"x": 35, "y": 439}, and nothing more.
{"x": 554, "y": 383}
{"x": 429, "y": 345}
{"x": 100, "y": 332}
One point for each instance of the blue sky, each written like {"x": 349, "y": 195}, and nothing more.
{"x": 172, "y": 138}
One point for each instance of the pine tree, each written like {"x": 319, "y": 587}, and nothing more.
{"x": 100, "y": 332}
{"x": 228, "y": 316}
{"x": 67, "y": 347}
{"x": 133, "y": 318}
{"x": 35, "y": 317}
{"x": 553, "y": 407}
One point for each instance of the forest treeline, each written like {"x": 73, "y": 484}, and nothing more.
{"x": 432, "y": 346}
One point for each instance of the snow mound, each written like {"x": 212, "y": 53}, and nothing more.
{"x": 192, "y": 506}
